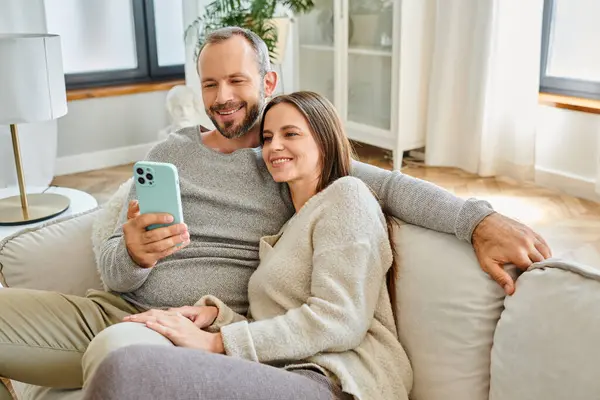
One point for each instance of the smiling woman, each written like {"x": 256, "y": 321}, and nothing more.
{"x": 297, "y": 131}
{"x": 290, "y": 150}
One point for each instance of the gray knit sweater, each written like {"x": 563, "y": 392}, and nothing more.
{"x": 230, "y": 201}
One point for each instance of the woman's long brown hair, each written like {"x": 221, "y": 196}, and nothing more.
{"x": 336, "y": 152}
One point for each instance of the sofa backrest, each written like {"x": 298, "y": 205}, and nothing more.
{"x": 447, "y": 312}
{"x": 55, "y": 256}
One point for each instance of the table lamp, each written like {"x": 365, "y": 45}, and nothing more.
{"x": 32, "y": 89}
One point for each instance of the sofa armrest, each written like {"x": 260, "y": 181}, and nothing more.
{"x": 56, "y": 256}
{"x": 546, "y": 343}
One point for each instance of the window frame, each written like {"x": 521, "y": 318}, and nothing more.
{"x": 157, "y": 71}
{"x": 551, "y": 84}
{"x": 147, "y": 69}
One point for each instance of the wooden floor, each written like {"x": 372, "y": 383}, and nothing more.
{"x": 570, "y": 225}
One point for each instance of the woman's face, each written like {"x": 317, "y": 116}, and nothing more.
{"x": 290, "y": 151}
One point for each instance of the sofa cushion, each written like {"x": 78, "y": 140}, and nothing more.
{"x": 55, "y": 256}
{"x": 447, "y": 310}
{"x": 546, "y": 343}
{"x": 107, "y": 218}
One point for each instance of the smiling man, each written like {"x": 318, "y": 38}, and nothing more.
{"x": 234, "y": 90}
{"x": 229, "y": 202}
{"x": 230, "y": 95}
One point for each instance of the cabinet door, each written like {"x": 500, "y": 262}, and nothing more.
{"x": 368, "y": 69}
{"x": 317, "y": 50}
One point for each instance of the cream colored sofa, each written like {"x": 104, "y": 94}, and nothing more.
{"x": 465, "y": 340}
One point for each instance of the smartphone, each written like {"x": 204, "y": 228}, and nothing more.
{"x": 157, "y": 188}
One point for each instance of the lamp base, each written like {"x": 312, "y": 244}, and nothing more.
{"x": 41, "y": 206}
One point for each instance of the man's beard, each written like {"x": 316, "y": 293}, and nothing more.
{"x": 229, "y": 129}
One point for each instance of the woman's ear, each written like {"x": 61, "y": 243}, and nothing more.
{"x": 270, "y": 83}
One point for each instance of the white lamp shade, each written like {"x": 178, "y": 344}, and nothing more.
{"x": 32, "y": 81}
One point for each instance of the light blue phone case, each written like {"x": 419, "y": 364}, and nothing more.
{"x": 157, "y": 188}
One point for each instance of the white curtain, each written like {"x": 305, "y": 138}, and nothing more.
{"x": 38, "y": 141}
{"x": 473, "y": 82}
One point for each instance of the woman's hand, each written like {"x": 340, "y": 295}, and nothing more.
{"x": 180, "y": 330}
{"x": 202, "y": 317}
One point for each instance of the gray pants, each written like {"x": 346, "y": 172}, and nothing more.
{"x": 161, "y": 372}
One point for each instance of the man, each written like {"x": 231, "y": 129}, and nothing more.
{"x": 229, "y": 201}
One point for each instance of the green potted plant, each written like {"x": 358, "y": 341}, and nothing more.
{"x": 264, "y": 17}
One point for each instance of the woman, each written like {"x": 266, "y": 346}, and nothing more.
{"x": 320, "y": 311}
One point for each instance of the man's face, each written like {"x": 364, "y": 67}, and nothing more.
{"x": 232, "y": 89}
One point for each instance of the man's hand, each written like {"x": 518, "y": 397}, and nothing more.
{"x": 147, "y": 247}
{"x": 201, "y": 316}
{"x": 499, "y": 240}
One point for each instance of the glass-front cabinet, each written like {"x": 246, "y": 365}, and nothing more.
{"x": 316, "y": 51}
{"x": 348, "y": 51}
{"x": 369, "y": 56}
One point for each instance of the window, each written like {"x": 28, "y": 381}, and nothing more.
{"x": 570, "y": 57}
{"x": 108, "y": 42}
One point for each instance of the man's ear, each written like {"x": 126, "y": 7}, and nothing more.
{"x": 270, "y": 83}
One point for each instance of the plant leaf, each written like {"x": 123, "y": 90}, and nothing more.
{"x": 255, "y": 15}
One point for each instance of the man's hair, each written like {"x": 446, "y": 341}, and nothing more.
{"x": 258, "y": 45}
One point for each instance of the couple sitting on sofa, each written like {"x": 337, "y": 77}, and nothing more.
{"x": 315, "y": 315}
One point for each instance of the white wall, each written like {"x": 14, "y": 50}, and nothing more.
{"x": 568, "y": 151}
{"x": 109, "y": 131}
{"x": 111, "y": 122}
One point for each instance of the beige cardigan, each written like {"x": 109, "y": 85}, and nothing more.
{"x": 319, "y": 297}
